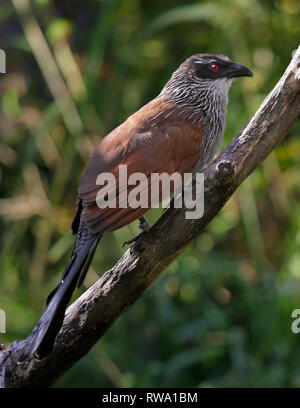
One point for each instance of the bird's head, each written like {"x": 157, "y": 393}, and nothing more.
{"x": 213, "y": 67}
{"x": 202, "y": 74}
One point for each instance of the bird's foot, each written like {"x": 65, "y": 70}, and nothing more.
{"x": 144, "y": 226}
{"x": 131, "y": 241}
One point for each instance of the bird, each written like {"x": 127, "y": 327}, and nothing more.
{"x": 180, "y": 130}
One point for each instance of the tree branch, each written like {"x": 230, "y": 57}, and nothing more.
{"x": 90, "y": 316}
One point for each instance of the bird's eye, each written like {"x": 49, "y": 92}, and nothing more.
{"x": 214, "y": 67}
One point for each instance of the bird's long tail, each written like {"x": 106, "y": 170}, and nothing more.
{"x": 41, "y": 340}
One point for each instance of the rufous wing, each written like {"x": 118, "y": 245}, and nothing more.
{"x": 156, "y": 139}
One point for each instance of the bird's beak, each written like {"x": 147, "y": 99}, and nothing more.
{"x": 238, "y": 70}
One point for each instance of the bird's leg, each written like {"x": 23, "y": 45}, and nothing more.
{"x": 144, "y": 226}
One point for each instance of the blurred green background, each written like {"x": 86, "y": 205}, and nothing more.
{"x": 220, "y": 315}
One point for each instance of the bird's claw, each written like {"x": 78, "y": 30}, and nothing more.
{"x": 144, "y": 226}
{"x": 132, "y": 240}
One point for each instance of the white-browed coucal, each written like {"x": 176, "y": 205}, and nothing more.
{"x": 178, "y": 131}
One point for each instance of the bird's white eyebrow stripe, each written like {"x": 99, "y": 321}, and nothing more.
{"x": 222, "y": 63}
{"x": 206, "y": 61}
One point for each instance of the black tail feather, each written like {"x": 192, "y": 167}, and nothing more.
{"x": 88, "y": 261}
{"x": 41, "y": 340}
{"x": 66, "y": 271}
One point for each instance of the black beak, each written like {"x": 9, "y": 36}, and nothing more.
{"x": 237, "y": 70}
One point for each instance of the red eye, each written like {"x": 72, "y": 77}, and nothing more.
{"x": 214, "y": 67}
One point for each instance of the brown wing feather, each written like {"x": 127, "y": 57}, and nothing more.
{"x": 158, "y": 138}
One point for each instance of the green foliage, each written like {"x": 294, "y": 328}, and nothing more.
{"x": 220, "y": 316}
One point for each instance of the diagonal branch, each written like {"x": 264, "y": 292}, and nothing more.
{"x": 95, "y": 311}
